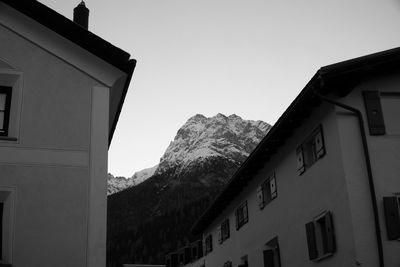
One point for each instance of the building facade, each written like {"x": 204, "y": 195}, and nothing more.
{"x": 322, "y": 188}
{"x": 61, "y": 92}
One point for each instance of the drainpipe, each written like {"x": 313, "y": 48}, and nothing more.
{"x": 369, "y": 171}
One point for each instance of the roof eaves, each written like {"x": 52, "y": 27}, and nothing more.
{"x": 73, "y": 32}
{"x": 132, "y": 65}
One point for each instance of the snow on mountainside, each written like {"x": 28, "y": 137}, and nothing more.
{"x": 116, "y": 184}
{"x": 143, "y": 175}
{"x": 202, "y": 138}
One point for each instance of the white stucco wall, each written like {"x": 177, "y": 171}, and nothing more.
{"x": 57, "y": 165}
{"x": 300, "y": 199}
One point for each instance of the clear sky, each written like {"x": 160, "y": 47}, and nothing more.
{"x": 248, "y": 57}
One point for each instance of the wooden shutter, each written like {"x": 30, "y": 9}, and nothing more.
{"x": 319, "y": 144}
{"x": 272, "y": 186}
{"x": 200, "y": 248}
{"x": 301, "y": 167}
{"x": 245, "y": 213}
{"x": 392, "y": 217}
{"x": 220, "y": 234}
{"x": 312, "y": 246}
{"x": 330, "y": 242}
{"x": 227, "y": 229}
{"x": 269, "y": 258}
{"x": 374, "y": 112}
{"x": 237, "y": 217}
{"x": 1, "y": 229}
{"x": 174, "y": 260}
{"x": 260, "y": 196}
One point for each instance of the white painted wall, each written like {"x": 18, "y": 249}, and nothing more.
{"x": 57, "y": 164}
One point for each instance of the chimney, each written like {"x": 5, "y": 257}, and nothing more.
{"x": 81, "y": 15}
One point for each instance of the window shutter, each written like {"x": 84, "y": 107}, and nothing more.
{"x": 374, "y": 112}
{"x": 219, "y": 235}
{"x": 227, "y": 228}
{"x": 267, "y": 192}
{"x": 1, "y": 229}
{"x": 200, "y": 248}
{"x": 272, "y": 186}
{"x": 331, "y": 245}
{"x": 319, "y": 144}
{"x": 312, "y": 246}
{"x": 245, "y": 213}
{"x": 237, "y": 217}
{"x": 391, "y": 207}
{"x": 260, "y": 197}
{"x": 300, "y": 160}
{"x": 268, "y": 258}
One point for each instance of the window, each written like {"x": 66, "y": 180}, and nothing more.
{"x": 320, "y": 237}
{"x": 242, "y": 216}
{"x": 267, "y": 191}
{"x": 5, "y": 104}
{"x": 227, "y": 264}
{"x": 223, "y": 231}
{"x": 391, "y": 206}
{"x": 271, "y": 253}
{"x": 197, "y": 249}
{"x": 6, "y": 224}
{"x": 1, "y": 230}
{"x": 244, "y": 262}
{"x": 310, "y": 151}
{"x": 208, "y": 244}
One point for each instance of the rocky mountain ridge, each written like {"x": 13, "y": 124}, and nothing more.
{"x": 199, "y": 140}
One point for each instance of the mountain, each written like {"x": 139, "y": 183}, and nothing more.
{"x": 202, "y": 139}
{"x": 150, "y": 219}
{"x": 119, "y": 183}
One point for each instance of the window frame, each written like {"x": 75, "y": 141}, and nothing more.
{"x": 271, "y": 253}
{"x": 224, "y": 231}
{"x": 208, "y": 244}
{"x": 7, "y": 197}
{"x": 311, "y": 150}
{"x": 6, "y": 119}
{"x": 242, "y": 215}
{"x": 321, "y": 237}
{"x": 391, "y": 207}
{"x": 265, "y": 193}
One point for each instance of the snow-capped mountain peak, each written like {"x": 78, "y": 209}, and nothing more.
{"x": 202, "y": 138}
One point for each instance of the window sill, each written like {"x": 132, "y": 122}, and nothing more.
{"x": 7, "y": 138}
{"x": 323, "y": 256}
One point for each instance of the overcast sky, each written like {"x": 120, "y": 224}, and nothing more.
{"x": 248, "y": 57}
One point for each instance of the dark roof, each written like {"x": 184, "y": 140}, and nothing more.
{"x": 81, "y": 37}
{"x": 339, "y": 78}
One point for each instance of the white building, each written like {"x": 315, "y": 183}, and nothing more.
{"x": 323, "y": 187}
{"x": 61, "y": 93}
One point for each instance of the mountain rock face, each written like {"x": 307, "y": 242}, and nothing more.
{"x": 119, "y": 183}
{"x": 202, "y": 139}
{"x": 148, "y": 220}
